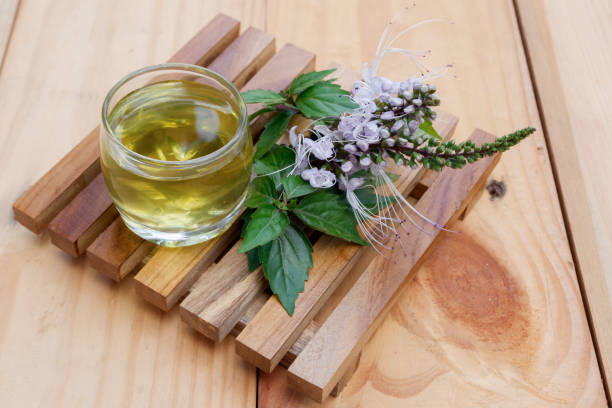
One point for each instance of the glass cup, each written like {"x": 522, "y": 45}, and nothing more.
{"x": 176, "y": 153}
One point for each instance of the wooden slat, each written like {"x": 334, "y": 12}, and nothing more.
{"x": 164, "y": 287}
{"x": 326, "y": 357}
{"x": 254, "y": 46}
{"x": 268, "y": 337}
{"x": 118, "y": 261}
{"x": 40, "y": 203}
{"x": 565, "y": 41}
{"x": 117, "y": 251}
{"x": 77, "y": 225}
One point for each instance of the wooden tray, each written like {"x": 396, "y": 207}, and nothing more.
{"x": 350, "y": 288}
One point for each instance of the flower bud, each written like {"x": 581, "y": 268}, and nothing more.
{"x": 346, "y": 166}
{"x": 384, "y": 133}
{"x": 397, "y": 125}
{"x": 362, "y": 145}
{"x": 409, "y": 109}
{"x": 424, "y": 89}
{"x": 417, "y": 102}
{"x": 388, "y": 115}
{"x": 350, "y": 148}
{"x": 365, "y": 161}
{"x": 408, "y": 94}
{"x": 390, "y": 142}
{"x": 396, "y": 101}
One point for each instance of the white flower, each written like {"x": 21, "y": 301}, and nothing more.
{"x": 319, "y": 178}
{"x": 350, "y": 148}
{"x": 365, "y": 161}
{"x": 322, "y": 148}
{"x": 362, "y": 145}
{"x": 356, "y": 182}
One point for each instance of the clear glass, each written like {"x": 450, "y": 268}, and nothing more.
{"x": 176, "y": 202}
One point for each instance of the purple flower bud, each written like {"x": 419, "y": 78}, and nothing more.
{"x": 362, "y": 145}
{"x": 384, "y": 133}
{"x": 390, "y": 142}
{"x": 404, "y": 85}
{"x": 396, "y": 101}
{"x": 424, "y": 88}
{"x": 409, "y": 109}
{"x": 417, "y": 102}
{"x": 388, "y": 115}
{"x": 413, "y": 125}
{"x": 384, "y": 97}
{"x": 346, "y": 166}
{"x": 397, "y": 125}
{"x": 350, "y": 148}
{"x": 386, "y": 84}
{"x": 395, "y": 88}
{"x": 403, "y": 142}
{"x": 408, "y": 94}
{"x": 365, "y": 161}
{"x": 432, "y": 88}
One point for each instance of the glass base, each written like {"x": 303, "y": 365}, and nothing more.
{"x": 184, "y": 238}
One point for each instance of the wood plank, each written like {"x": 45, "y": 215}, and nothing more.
{"x": 268, "y": 337}
{"x": 426, "y": 353}
{"x": 8, "y": 11}
{"x": 83, "y": 219}
{"x": 335, "y": 345}
{"x": 118, "y": 260}
{"x": 117, "y": 251}
{"x": 565, "y": 40}
{"x": 40, "y": 203}
{"x": 68, "y": 336}
{"x": 165, "y": 287}
{"x": 255, "y": 48}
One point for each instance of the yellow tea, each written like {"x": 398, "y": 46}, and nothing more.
{"x": 171, "y": 125}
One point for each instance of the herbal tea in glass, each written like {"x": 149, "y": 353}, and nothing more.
{"x": 176, "y": 153}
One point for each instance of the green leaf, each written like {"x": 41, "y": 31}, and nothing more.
{"x": 262, "y": 96}
{"x": 328, "y": 212}
{"x": 272, "y": 132}
{"x": 260, "y": 112}
{"x": 428, "y": 128}
{"x": 307, "y": 80}
{"x": 296, "y": 186}
{"x": 368, "y": 198}
{"x": 267, "y": 223}
{"x": 324, "y": 99}
{"x": 253, "y": 259}
{"x": 261, "y": 191}
{"x": 279, "y": 157}
{"x": 246, "y": 218}
{"x": 286, "y": 261}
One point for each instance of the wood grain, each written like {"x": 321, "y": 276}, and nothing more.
{"x": 424, "y": 354}
{"x": 337, "y": 343}
{"x": 8, "y": 11}
{"x": 86, "y": 216}
{"x": 117, "y": 251}
{"x": 118, "y": 260}
{"x": 68, "y": 336}
{"x": 40, "y": 203}
{"x": 564, "y": 42}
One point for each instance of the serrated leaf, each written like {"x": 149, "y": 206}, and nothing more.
{"x": 307, "y": 80}
{"x": 296, "y": 186}
{"x": 286, "y": 261}
{"x": 428, "y": 128}
{"x": 279, "y": 157}
{"x": 246, "y": 217}
{"x": 262, "y": 96}
{"x": 273, "y": 130}
{"x": 266, "y": 224}
{"x": 324, "y": 99}
{"x": 328, "y": 212}
{"x": 261, "y": 191}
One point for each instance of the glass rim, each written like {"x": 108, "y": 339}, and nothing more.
{"x": 198, "y": 161}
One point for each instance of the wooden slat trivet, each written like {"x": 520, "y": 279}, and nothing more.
{"x": 227, "y": 298}
{"x": 40, "y": 203}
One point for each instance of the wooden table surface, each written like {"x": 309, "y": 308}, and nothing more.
{"x": 512, "y": 312}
